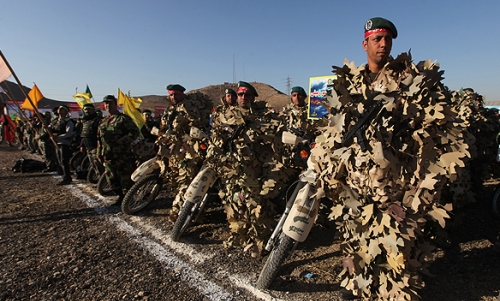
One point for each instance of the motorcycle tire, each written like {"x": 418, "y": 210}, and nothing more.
{"x": 184, "y": 221}
{"x": 93, "y": 175}
{"x": 276, "y": 258}
{"x": 496, "y": 203}
{"x": 76, "y": 160}
{"x": 103, "y": 187}
{"x": 142, "y": 194}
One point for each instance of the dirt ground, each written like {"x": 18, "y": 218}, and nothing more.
{"x": 53, "y": 246}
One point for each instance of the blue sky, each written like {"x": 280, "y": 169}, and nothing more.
{"x": 142, "y": 46}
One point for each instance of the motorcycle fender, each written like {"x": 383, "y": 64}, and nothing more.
{"x": 144, "y": 169}
{"x": 301, "y": 218}
{"x": 200, "y": 184}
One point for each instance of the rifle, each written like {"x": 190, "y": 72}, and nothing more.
{"x": 359, "y": 128}
{"x": 228, "y": 145}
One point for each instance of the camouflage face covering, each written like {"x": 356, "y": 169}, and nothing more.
{"x": 390, "y": 161}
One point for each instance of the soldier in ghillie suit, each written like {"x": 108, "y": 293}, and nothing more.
{"x": 181, "y": 154}
{"x": 116, "y": 133}
{"x": 241, "y": 151}
{"x": 89, "y": 134}
{"x": 294, "y": 119}
{"x": 392, "y": 147}
{"x": 485, "y": 126}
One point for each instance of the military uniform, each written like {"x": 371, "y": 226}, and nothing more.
{"x": 89, "y": 136}
{"x": 63, "y": 128}
{"x": 116, "y": 133}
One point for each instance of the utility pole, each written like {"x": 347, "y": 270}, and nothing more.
{"x": 234, "y": 71}
{"x": 288, "y": 85}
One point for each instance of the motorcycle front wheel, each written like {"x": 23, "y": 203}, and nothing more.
{"x": 496, "y": 203}
{"x": 184, "y": 220}
{"x": 93, "y": 175}
{"x": 277, "y": 257}
{"x": 103, "y": 187}
{"x": 142, "y": 194}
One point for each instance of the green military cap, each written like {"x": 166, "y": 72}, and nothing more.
{"x": 146, "y": 112}
{"x": 300, "y": 90}
{"x": 176, "y": 87}
{"x": 229, "y": 91}
{"x": 378, "y": 24}
{"x": 109, "y": 98}
{"x": 64, "y": 107}
{"x": 88, "y": 105}
{"x": 244, "y": 85}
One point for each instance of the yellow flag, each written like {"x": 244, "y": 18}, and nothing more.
{"x": 35, "y": 95}
{"x": 82, "y": 99}
{"x": 130, "y": 106}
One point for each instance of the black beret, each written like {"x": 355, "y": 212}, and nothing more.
{"x": 248, "y": 86}
{"x": 229, "y": 91}
{"x": 300, "y": 90}
{"x": 109, "y": 98}
{"x": 88, "y": 105}
{"x": 64, "y": 107}
{"x": 146, "y": 111}
{"x": 176, "y": 87}
{"x": 377, "y": 23}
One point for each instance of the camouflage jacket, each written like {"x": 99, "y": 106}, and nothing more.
{"x": 90, "y": 129}
{"x": 116, "y": 133}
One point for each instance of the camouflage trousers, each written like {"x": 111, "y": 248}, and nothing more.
{"x": 118, "y": 172}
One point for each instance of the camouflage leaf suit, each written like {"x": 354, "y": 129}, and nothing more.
{"x": 386, "y": 196}
{"x": 247, "y": 170}
{"x": 181, "y": 156}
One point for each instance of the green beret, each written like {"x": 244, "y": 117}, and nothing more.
{"x": 248, "y": 86}
{"x": 109, "y": 98}
{"x": 380, "y": 23}
{"x": 88, "y": 105}
{"x": 300, "y": 90}
{"x": 229, "y": 91}
{"x": 176, "y": 87}
{"x": 64, "y": 107}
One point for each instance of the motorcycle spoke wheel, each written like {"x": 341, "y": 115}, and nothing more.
{"x": 184, "y": 220}
{"x": 141, "y": 194}
{"x": 277, "y": 257}
{"x": 93, "y": 175}
{"x": 103, "y": 187}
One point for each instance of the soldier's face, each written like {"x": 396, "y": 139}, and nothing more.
{"x": 175, "y": 96}
{"x": 245, "y": 99}
{"x": 378, "y": 47}
{"x": 298, "y": 99}
{"x": 230, "y": 99}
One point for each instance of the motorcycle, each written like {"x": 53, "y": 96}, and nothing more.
{"x": 296, "y": 222}
{"x": 201, "y": 190}
{"x": 149, "y": 178}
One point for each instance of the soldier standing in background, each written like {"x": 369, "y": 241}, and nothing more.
{"x": 63, "y": 131}
{"x": 116, "y": 133}
{"x": 90, "y": 128}
{"x": 148, "y": 126}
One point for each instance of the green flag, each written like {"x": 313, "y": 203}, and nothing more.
{"x": 87, "y": 91}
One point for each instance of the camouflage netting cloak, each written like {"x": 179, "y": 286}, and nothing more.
{"x": 485, "y": 126}
{"x": 386, "y": 196}
{"x": 247, "y": 170}
{"x": 180, "y": 154}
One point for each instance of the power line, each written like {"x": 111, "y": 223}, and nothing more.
{"x": 288, "y": 85}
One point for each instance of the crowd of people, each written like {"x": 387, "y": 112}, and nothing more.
{"x": 396, "y": 143}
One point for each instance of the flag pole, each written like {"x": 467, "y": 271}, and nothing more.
{"x": 31, "y": 102}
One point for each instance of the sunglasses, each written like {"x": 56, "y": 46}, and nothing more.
{"x": 244, "y": 93}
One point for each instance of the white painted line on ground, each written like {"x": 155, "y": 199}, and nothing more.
{"x": 186, "y": 271}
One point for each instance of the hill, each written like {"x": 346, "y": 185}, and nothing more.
{"x": 13, "y": 90}
{"x": 275, "y": 98}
